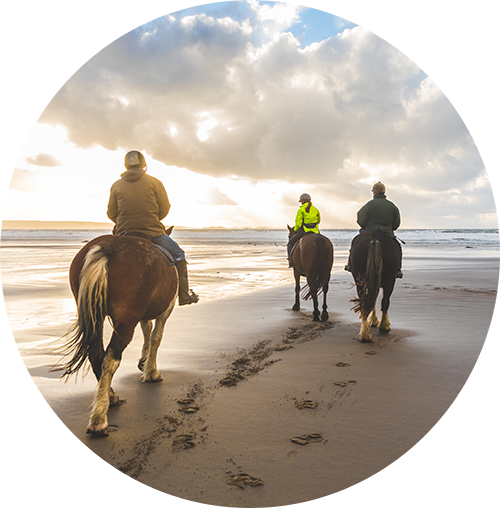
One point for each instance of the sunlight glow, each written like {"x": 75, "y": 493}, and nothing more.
{"x": 205, "y": 127}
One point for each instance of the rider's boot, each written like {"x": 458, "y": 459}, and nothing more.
{"x": 186, "y": 296}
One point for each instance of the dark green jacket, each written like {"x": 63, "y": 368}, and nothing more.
{"x": 379, "y": 216}
{"x": 138, "y": 202}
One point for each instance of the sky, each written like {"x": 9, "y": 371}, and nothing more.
{"x": 240, "y": 107}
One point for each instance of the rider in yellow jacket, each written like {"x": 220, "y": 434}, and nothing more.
{"x": 306, "y": 221}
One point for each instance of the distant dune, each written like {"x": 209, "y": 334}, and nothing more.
{"x": 33, "y": 224}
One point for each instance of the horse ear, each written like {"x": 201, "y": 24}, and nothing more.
{"x": 169, "y": 230}
{"x": 289, "y": 228}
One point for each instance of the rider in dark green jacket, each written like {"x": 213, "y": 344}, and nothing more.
{"x": 379, "y": 215}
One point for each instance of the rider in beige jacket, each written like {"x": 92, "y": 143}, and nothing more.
{"x": 138, "y": 202}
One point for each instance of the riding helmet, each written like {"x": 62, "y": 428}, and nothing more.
{"x": 134, "y": 159}
{"x": 378, "y": 188}
{"x": 305, "y": 198}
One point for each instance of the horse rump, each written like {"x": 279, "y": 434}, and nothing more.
{"x": 321, "y": 274}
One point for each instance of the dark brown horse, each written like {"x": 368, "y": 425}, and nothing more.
{"x": 312, "y": 258}
{"x": 127, "y": 279}
{"x": 374, "y": 260}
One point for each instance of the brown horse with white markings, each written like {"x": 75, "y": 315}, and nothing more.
{"x": 128, "y": 280}
{"x": 312, "y": 258}
{"x": 374, "y": 261}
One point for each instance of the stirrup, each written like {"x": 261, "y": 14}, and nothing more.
{"x": 399, "y": 275}
{"x": 347, "y": 268}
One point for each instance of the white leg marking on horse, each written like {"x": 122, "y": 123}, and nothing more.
{"x": 365, "y": 334}
{"x": 99, "y": 415}
{"x": 147, "y": 327}
{"x": 151, "y": 374}
{"x": 373, "y": 319}
{"x": 385, "y": 324}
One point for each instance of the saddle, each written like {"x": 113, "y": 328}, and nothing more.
{"x": 164, "y": 252}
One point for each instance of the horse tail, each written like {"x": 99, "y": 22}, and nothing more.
{"x": 369, "y": 282}
{"x": 85, "y": 335}
{"x": 321, "y": 274}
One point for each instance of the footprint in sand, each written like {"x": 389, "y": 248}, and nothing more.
{"x": 183, "y": 442}
{"x": 244, "y": 480}
{"x": 192, "y": 409}
{"x": 307, "y": 438}
{"x": 345, "y": 383}
{"x": 306, "y": 404}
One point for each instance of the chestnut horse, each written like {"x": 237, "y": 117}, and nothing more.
{"x": 127, "y": 279}
{"x": 374, "y": 261}
{"x": 312, "y": 258}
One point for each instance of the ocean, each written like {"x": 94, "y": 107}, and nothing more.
{"x": 222, "y": 262}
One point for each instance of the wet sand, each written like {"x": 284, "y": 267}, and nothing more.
{"x": 259, "y": 406}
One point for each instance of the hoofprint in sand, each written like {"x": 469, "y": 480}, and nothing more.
{"x": 262, "y": 407}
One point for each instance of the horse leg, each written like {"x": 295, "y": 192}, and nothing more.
{"x": 96, "y": 356}
{"x": 373, "y": 320}
{"x": 364, "y": 334}
{"x": 324, "y": 314}
{"x": 296, "y": 274}
{"x": 98, "y": 423}
{"x": 385, "y": 324}
{"x": 147, "y": 327}
{"x": 151, "y": 374}
{"x": 315, "y": 304}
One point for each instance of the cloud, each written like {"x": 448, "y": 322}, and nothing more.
{"x": 25, "y": 180}
{"x": 43, "y": 159}
{"x": 220, "y": 96}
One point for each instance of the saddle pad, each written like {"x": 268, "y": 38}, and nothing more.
{"x": 164, "y": 252}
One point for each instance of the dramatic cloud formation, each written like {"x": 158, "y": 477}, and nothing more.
{"x": 44, "y": 160}
{"x": 226, "y": 97}
{"x": 232, "y": 109}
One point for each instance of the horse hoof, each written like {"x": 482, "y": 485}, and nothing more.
{"x": 365, "y": 339}
{"x": 324, "y": 316}
{"x": 384, "y": 330}
{"x": 315, "y": 318}
{"x": 155, "y": 378}
{"x": 140, "y": 365}
{"x": 116, "y": 401}
{"x": 98, "y": 429}
{"x": 296, "y": 307}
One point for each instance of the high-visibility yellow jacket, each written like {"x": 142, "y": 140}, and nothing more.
{"x": 309, "y": 220}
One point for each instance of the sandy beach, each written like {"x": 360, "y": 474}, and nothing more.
{"x": 259, "y": 406}
{"x": 372, "y": 402}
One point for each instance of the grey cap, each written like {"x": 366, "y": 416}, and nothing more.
{"x": 134, "y": 159}
{"x": 378, "y": 188}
